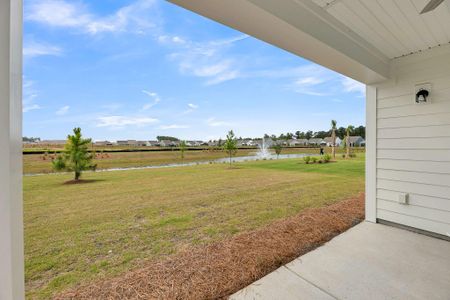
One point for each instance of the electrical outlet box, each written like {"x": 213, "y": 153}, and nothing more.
{"x": 403, "y": 198}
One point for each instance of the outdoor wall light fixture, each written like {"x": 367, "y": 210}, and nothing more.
{"x": 422, "y": 93}
{"x": 421, "y": 96}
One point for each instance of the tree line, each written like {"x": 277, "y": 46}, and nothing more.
{"x": 340, "y": 133}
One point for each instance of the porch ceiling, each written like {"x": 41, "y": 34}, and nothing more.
{"x": 394, "y": 27}
{"x": 357, "y": 38}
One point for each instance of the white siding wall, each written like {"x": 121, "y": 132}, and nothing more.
{"x": 413, "y": 144}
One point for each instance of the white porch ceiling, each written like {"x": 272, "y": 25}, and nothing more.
{"x": 357, "y": 38}
{"x": 394, "y": 27}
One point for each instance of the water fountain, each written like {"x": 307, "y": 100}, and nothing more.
{"x": 264, "y": 152}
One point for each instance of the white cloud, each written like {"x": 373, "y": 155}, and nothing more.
{"x": 155, "y": 98}
{"x": 191, "y": 107}
{"x": 173, "y": 126}
{"x": 27, "y": 108}
{"x": 315, "y": 80}
{"x": 71, "y": 14}
{"x": 171, "y": 39}
{"x": 29, "y": 95}
{"x": 63, "y": 110}
{"x": 311, "y": 80}
{"x": 308, "y": 81}
{"x": 351, "y": 86}
{"x": 212, "y": 122}
{"x": 207, "y": 60}
{"x": 122, "y": 121}
{"x": 33, "y": 49}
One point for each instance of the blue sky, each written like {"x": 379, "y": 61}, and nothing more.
{"x": 137, "y": 69}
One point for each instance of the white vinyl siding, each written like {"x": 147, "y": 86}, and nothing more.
{"x": 413, "y": 146}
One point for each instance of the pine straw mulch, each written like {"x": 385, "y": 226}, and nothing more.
{"x": 222, "y": 268}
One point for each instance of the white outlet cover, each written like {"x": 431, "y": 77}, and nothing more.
{"x": 422, "y": 86}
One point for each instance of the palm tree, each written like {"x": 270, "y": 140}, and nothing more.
{"x": 333, "y": 137}
{"x": 350, "y": 128}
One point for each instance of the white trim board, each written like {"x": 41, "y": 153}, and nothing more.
{"x": 11, "y": 211}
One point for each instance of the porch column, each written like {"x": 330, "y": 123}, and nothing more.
{"x": 11, "y": 219}
{"x": 371, "y": 153}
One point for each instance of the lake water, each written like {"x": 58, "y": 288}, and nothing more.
{"x": 213, "y": 161}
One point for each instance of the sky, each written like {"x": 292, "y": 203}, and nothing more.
{"x": 138, "y": 69}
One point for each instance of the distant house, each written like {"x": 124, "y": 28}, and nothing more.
{"x": 52, "y": 142}
{"x": 168, "y": 143}
{"x": 329, "y": 141}
{"x": 297, "y": 142}
{"x": 152, "y": 143}
{"x": 103, "y": 143}
{"x": 253, "y": 143}
{"x": 194, "y": 143}
{"x": 357, "y": 141}
{"x": 213, "y": 143}
{"x": 316, "y": 142}
{"x": 132, "y": 143}
{"x": 245, "y": 143}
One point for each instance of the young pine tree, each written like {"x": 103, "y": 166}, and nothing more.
{"x": 230, "y": 145}
{"x": 183, "y": 147}
{"x": 278, "y": 148}
{"x": 76, "y": 157}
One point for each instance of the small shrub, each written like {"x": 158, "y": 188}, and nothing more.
{"x": 326, "y": 158}
{"x": 313, "y": 159}
{"x": 306, "y": 159}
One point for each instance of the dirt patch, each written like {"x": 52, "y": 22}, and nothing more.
{"x": 222, "y": 268}
{"x": 82, "y": 181}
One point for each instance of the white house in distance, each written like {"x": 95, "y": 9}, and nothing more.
{"x": 403, "y": 57}
{"x": 329, "y": 141}
{"x": 356, "y": 141}
{"x": 316, "y": 142}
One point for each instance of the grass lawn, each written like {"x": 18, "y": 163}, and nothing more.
{"x": 77, "y": 233}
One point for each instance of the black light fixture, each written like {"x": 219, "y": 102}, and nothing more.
{"x": 422, "y": 93}
{"x": 421, "y": 96}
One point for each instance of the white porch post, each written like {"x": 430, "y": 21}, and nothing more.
{"x": 11, "y": 219}
{"x": 371, "y": 153}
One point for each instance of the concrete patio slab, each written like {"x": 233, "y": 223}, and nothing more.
{"x": 369, "y": 261}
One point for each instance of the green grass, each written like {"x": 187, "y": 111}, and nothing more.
{"x": 78, "y": 233}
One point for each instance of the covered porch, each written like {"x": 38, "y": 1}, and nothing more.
{"x": 392, "y": 48}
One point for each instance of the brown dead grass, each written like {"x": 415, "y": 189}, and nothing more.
{"x": 222, "y": 268}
